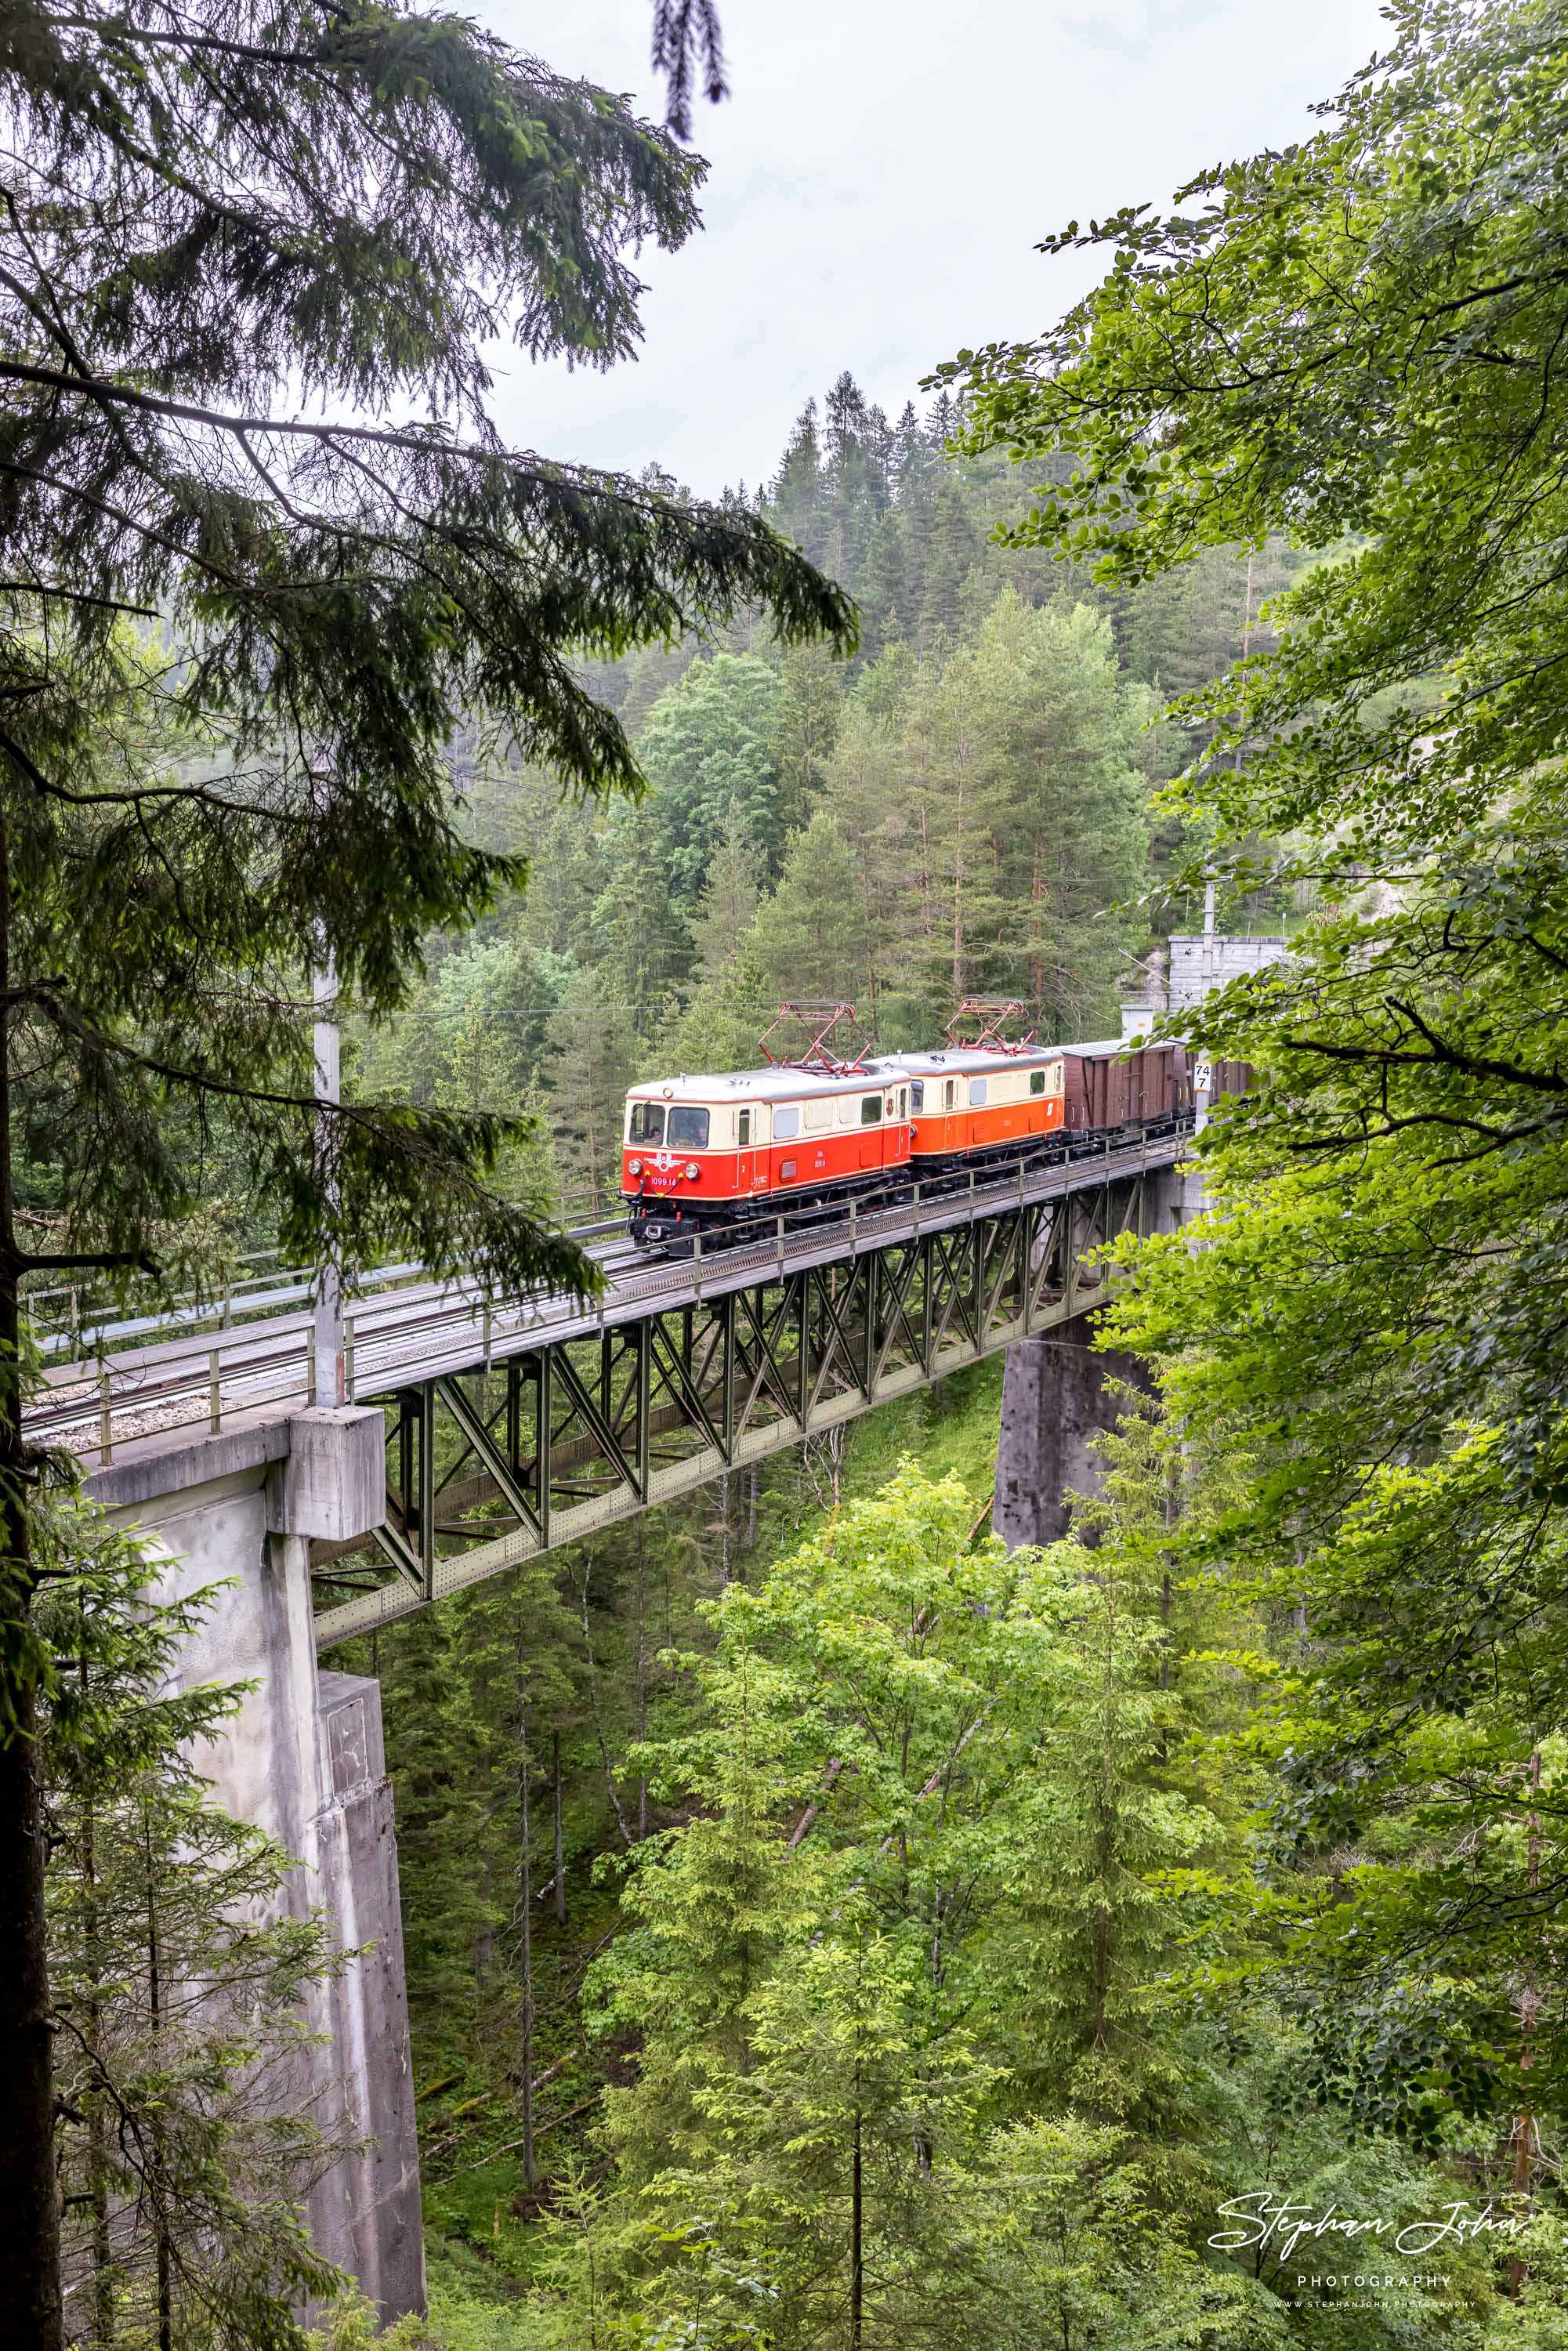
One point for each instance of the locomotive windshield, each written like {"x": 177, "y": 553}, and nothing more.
{"x": 647, "y": 1122}
{"x": 689, "y": 1128}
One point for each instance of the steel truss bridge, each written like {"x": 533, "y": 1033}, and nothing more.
{"x": 515, "y": 1427}
{"x": 702, "y": 1366}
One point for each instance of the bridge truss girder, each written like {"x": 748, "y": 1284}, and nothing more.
{"x": 494, "y": 1463}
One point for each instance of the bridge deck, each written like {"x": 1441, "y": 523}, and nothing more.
{"x": 411, "y": 1330}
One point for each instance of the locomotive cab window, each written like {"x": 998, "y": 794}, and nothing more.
{"x": 786, "y": 1122}
{"x": 870, "y": 1110}
{"x": 1037, "y": 1081}
{"x": 916, "y": 1095}
{"x": 647, "y": 1122}
{"x": 689, "y": 1128}
{"x": 949, "y": 1094}
{"x": 743, "y": 1130}
{"x": 977, "y": 1091}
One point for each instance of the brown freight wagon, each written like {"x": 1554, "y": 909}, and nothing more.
{"x": 1105, "y": 1086}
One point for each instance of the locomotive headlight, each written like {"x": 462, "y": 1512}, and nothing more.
{"x": 633, "y": 1167}
{"x": 693, "y": 1170}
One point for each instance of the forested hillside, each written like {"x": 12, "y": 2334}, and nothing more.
{"x": 537, "y": 1698}
{"x": 822, "y": 1928}
{"x": 966, "y": 806}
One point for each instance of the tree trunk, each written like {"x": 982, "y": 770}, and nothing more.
{"x": 154, "y": 2020}
{"x": 1165, "y": 1598}
{"x": 959, "y": 894}
{"x": 485, "y": 1940}
{"x": 1529, "y": 2000}
{"x": 30, "y": 2314}
{"x": 641, "y": 1683}
{"x": 526, "y": 1874}
{"x": 559, "y": 1835}
{"x": 592, "y": 1140}
{"x": 102, "y": 2294}
{"x": 857, "y": 2235}
{"x": 1246, "y": 649}
{"x": 1035, "y": 963}
{"x": 616, "y": 1803}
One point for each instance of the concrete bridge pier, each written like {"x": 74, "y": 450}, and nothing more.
{"x": 303, "y": 1760}
{"x": 1056, "y": 1398}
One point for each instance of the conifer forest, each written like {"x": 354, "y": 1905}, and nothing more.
{"x": 826, "y": 1927}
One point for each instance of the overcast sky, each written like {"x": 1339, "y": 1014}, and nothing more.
{"x": 879, "y": 176}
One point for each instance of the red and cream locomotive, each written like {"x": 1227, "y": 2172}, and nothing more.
{"x": 710, "y": 1154}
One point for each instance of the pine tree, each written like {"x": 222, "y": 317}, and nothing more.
{"x": 476, "y": 1003}
{"x": 515, "y": 1670}
{"x": 1075, "y": 830}
{"x": 817, "y": 935}
{"x": 886, "y": 599}
{"x": 858, "y": 490}
{"x": 650, "y": 673}
{"x": 710, "y": 747}
{"x": 805, "y": 728}
{"x": 719, "y": 1026}
{"x": 728, "y": 903}
{"x": 445, "y": 1901}
{"x": 795, "y": 495}
{"x": 911, "y": 461}
{"x": 591, "y": 1057}
{"x": 707, "y": 1907}
{"x": 950, "y": 553}
{"x": 833, "y": 2152}
{"x": 942, "y": 423}
{"x": 566, "y": 876}
{"x": 643, "y": 948}
{"x": 1132, "y": 1784}
{"x": 942, "y": 926}
{"x": 178, "y": 1978}
{"x": 245, "y": 393}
